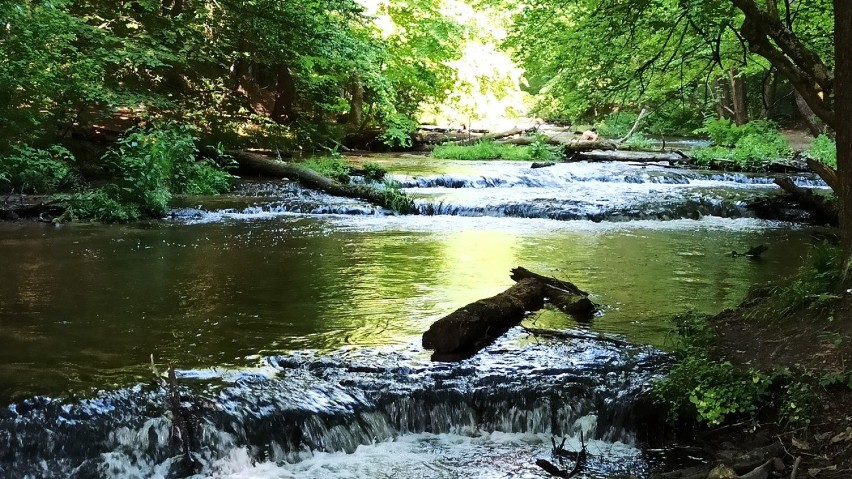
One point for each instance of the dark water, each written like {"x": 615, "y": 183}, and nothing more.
{"x": 297, "y": 331}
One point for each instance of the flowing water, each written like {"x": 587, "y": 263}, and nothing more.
{"x": 293, "y": 320}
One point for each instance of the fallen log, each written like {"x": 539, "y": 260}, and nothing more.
{"x": 569, "y": 142}
{"x": 823, "y": 210}
{"x": 627, "y": 155}
{"x": 567, "y": 297}
{"x": 493, "y": 136}
{"x": 308, "y": 178}
{"x": 467, "y": 330}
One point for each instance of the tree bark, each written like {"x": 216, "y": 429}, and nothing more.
{"x": 843, "y": 129}
{"x": 816, "y": 204}
{"x": 738, "y": 97}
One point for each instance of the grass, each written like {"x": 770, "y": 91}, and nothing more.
{"x": 484, "y": 150}
{"x": 331, "y": 166}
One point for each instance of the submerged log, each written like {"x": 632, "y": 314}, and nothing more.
{"x": 467, "y": 330}
{"x": 308, "y": 178}
{"x": 822, "y": 209}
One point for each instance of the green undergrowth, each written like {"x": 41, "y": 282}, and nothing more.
{"x": 703, "y": 391}
{"x": 700, "y": 389}
{"x": 751, "y": 146}
{"x": 824, "y": 150}
{"x": 810, "y": 290}
{"x": 144, "y": 170}
{"x": 332, "y": 166}
{"x": 539, "y": 150}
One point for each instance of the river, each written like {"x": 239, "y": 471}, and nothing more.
{"x": 293, "y": 320}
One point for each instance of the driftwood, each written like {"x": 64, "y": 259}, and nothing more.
{"x": 555, "y": 471}
{"x": 824, "y": 211}
{"x": 642, "y": 115}
{"x": 308, "y": 178}
{"x": 467, "y": 330}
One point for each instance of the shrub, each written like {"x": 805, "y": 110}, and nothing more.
{"x": 616, "y": 125}
{"x": 374, "y": 171}
{"x": 639, "y": 142}
{"x": 541, "y": 150}
{"x": 749, "y": 145}
{"x": 331, "y": 166}
{"x": 823, "y": 149}
{"x": 32, "y": 170}
{"x": 702, "y": 390}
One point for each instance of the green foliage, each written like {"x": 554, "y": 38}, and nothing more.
{"x": 149, "y": 166}
{"x": 331, "y": 166}
{"x": 617, "y": 125}
{"x": 395, "y": 199}
{"x": 810, "y": 289}
{"x": 823, "y": 149}
{"x": 398, "y": 131}
{"x": 750, "y": 145}
{"x": 706, "y": 391}
{"x": 483, "y": 150}
{"x": 541, "y": 150}
{"x": 31, "y": 170}
{"x": 639, "y": 141}
{"x": 374, "y": 171}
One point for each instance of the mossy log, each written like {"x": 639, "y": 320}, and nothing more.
{"x": 467, "y": 330}
{"x": 628, "y": 155}
{"x": 265, "y": 166}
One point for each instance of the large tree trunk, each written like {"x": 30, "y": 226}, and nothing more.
{"x": 843, "y": 128}
{"x": 738, "y": 97}
{"x": 284, "y": 110}
{"x": 815, "y": 125}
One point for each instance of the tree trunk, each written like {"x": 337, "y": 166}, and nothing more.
{"x": 467, "y": 330}
{"x": 770, "y": 91}
{"x": 815, "y": 125}
{"x": 823, "y": 211}
{"x": 284, "y": 110}
{"x": 738, "y": 97}
{"x": 843, "y": 103}
{"x": 356, "y": 104}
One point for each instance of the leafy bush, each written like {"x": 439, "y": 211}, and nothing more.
{"x": 483, "y": 150}
{"x": 31, "y": 170}
{"x": 374, "y": 171}
{"x": 639, "y": 142}
{"x": 398, "y": 130}
{"x": 149, "y": 166}
{"x": 541, "y": 150}
{"x": 711, "y": 392}
{"x": 616, "y": 125}
{"x": 331, "y": 166}
{"x": 395, "y": 199}
{"x": 750, "y": 145}
{"x": 823, "y": 149}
